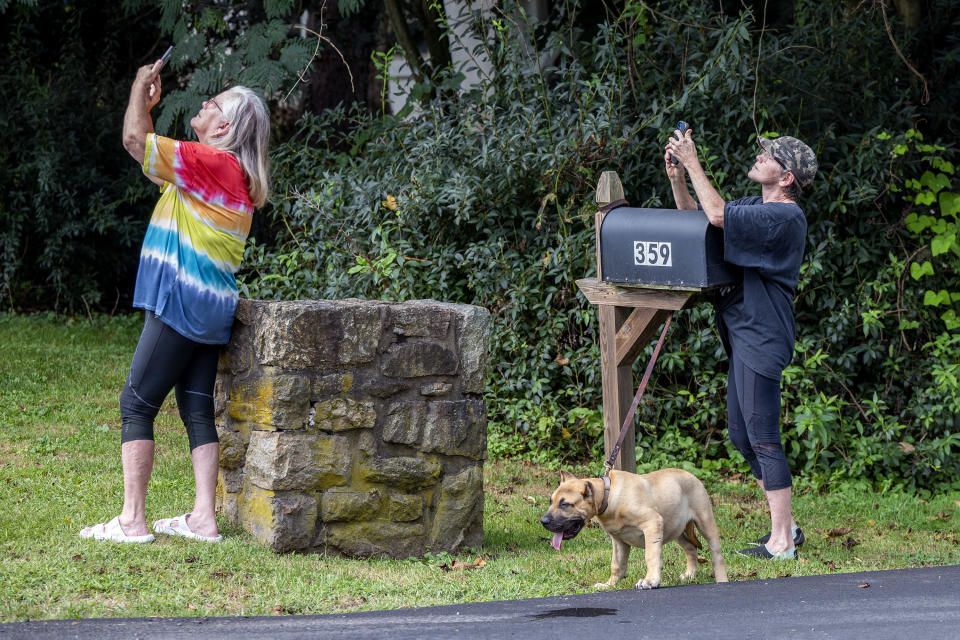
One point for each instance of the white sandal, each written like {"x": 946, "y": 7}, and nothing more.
{"x": 113, "y": 532}
{"x": 178, "y": 527}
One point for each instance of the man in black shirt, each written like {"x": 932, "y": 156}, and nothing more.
{"x": 764, "y": 236}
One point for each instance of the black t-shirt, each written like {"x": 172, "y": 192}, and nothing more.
{"x": 755, "y": 317}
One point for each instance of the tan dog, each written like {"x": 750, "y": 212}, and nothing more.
{"x": 638, "y": 511}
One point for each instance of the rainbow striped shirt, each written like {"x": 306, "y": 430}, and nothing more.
{"x": 194, "y": 243}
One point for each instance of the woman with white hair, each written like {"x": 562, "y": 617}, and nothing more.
{"x": 186, "y": 285}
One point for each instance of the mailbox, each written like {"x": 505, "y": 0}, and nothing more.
{"x": 664, "y": 248}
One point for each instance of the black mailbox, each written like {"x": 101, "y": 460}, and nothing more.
{"x": 664, "y": 248}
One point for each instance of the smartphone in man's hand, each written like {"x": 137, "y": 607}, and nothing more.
{"x": 163, "y": 60}
{"x": 682, "y": 127}
{"x": 156, "y": 69}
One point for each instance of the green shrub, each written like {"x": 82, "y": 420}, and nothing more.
{"x": 486, "y": 197}
{"x": 74, "y": 207}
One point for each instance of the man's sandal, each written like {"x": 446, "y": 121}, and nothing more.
{"x": 798, "y": 538}
{"x": 178, "y": 527}
{"x": 113, "y": 532}
{"x": 763, "y": 553}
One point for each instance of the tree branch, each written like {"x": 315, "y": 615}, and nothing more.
{"x": 926, "y": 93}
{"x": 301, "y": 76}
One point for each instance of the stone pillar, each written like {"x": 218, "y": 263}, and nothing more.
{"x": 355, "y": 427}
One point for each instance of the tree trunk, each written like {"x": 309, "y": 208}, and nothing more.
{"x": 435, "y": 34}
{"x": 401, "y": 29}
{"x": 911, "y": 12}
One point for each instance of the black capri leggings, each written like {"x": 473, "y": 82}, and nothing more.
{"x": 753, "y": 422}
{"x": 164, "y": 360}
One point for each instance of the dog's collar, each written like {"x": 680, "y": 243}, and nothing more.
{"x": 606, "y": 494}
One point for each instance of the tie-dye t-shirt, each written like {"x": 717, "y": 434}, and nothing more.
{"x": 194, "y": 244}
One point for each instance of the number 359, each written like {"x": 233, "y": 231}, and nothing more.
{"x": 652, "y": 254}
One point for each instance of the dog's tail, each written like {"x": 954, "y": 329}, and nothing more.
{"x": 691, "y": 535}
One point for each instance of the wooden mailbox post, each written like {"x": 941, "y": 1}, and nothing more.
{"x": 629, "y": 317}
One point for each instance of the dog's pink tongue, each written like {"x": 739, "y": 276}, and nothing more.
{"x": 557, "y": 541}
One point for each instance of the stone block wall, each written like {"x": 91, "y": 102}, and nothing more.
{"x": 354, "y": 427}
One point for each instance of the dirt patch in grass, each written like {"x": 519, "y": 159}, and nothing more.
{"x": 350, "y": 602}
{"x": 746, "y": 503}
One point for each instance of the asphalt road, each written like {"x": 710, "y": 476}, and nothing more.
{"x": 910, "y": 604}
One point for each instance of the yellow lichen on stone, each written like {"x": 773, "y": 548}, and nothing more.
{"x": 256, "y": 512}
{"x": 404, "y": 508}
{"x": 332, "y": 458}
{"x": 252, "y": 404}
{"x": 375, "y": 538}
{"x": 282, "y": 520}
{"x": 341, "y": 414}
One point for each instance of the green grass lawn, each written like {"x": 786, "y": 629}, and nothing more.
{"x": 60, "y": 470}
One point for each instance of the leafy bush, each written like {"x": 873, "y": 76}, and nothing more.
{"x": 493, "y": 207}
{"x": 73, "y": 209}
{"x": 75, "y": 205}
{"x": 220, "y": 44}
{"x": 486, "y": 197}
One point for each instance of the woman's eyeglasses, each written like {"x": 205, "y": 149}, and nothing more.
{"x": 213, "y": 102}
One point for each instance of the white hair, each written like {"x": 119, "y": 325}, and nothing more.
{"x": 247, "y": 139}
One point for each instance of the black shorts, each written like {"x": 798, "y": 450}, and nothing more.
{"x": 166, "y": 360}
{"x": 753, "y": 422}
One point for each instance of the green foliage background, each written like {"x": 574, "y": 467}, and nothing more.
{"x": 486, "y": 197}
{"x": 74, "y": 209}
{"x": 68, "y": 216}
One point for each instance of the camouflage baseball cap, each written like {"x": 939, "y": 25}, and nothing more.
{"x": 794, "y": 155}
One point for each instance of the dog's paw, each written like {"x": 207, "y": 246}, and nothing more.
{"x": 648, "y": 584}
{"x": 603, "y": 586}
{"x": 688, "y": 575}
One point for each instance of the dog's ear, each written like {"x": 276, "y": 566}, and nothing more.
{"x": 564, "y": 476}
{"x": 593, "y": 494}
